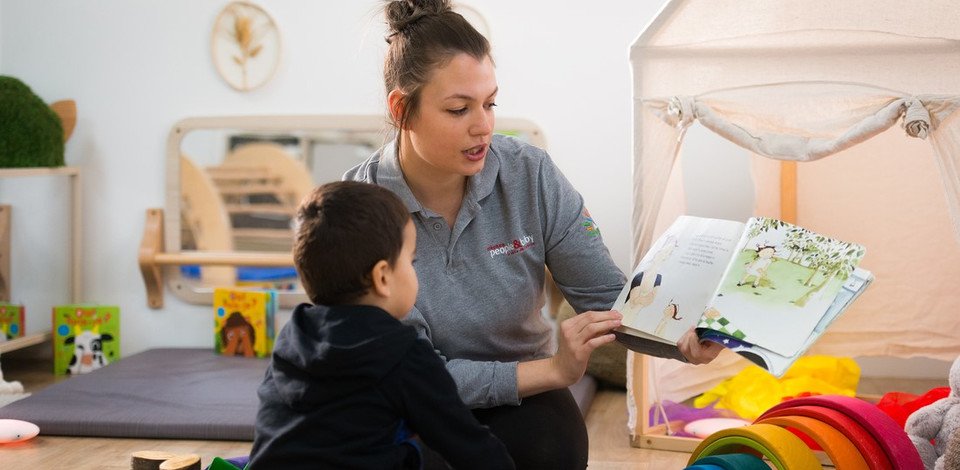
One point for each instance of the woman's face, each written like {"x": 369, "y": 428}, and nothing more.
{"x": 451, "y": 131}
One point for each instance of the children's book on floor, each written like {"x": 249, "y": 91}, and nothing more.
{"x": 243, "y": 322}
{"x": 766, "y": 289}
{"x": 85, "y": 337}
{"x": 11, "y": 321}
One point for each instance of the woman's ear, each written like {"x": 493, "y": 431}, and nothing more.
{"x": 380, "y": 279}
{"x": 397, "y": 102}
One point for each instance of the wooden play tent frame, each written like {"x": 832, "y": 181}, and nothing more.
{"x": 678, "y": 112}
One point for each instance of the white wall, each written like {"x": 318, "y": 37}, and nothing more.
{"x": 135, "y": 68}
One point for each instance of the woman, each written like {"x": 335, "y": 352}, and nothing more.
{"x": 491, "y": 211}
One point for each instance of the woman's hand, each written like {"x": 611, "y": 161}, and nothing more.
{"x": 579, "y": 336}
{"x": 696, "y": 351}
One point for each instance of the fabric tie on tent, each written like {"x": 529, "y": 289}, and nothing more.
{"x": 682, "y": 111}
{"x": 916, "y": 119}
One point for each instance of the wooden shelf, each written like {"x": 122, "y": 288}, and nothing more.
{"x": 76, "y": 287}
{"x": 28, "y": 340}
{"x": 39, "y": 171}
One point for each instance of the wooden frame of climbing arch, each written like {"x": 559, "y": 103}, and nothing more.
{"x": 160, "y": 246}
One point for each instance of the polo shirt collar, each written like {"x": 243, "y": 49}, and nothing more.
{"x": 390, "y": 176}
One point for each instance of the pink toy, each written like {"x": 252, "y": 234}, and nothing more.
{"x": 14, "y": 430}
{"x": 705, "y": 427}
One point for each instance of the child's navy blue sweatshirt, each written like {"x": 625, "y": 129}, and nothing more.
{"x": 345, "y": 388}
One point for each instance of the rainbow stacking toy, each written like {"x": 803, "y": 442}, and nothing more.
{"x": 854, "y": 434}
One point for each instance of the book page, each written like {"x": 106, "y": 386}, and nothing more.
{"x": 672, "y": 284}
{"x": 781, "y": 281}
{"x": 777, "y": 364}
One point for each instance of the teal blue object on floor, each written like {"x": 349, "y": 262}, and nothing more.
{"x": 703, "y": 467}
{"x": 734, "y": 462}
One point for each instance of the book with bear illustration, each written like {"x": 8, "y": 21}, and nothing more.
{"x": 766, "y": 289}
{"x": 243, "y": 322}
{"x": 85, "y": 337}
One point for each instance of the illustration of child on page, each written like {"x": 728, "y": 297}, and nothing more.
{"x": 759, "y": 266}
{"x": 644, "y": 287}
{"x": 670, "y": 313}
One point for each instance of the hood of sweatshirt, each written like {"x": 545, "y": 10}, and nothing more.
{"x": 324, "y": 353}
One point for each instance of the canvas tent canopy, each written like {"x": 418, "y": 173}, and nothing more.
{"x": 865, "y": 96}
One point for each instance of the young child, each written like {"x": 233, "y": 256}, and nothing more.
{"x": 348, "y": 385}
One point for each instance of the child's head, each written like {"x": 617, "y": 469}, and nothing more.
{"x": 355, "y": 241}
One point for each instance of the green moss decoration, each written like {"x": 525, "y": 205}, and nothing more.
{"x": 30, "y": 132}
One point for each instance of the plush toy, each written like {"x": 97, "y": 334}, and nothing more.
{"x": 31, "y": 133}
{"x": 951, "y": 459}
{"x": 937, "y": 421}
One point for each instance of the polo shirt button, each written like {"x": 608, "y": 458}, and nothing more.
{"x": 437, "y": 226}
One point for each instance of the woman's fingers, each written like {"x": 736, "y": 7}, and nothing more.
{"x": 696, "y": 351}
{"x": 580, "y": 336}
{"x": 600, "y": 341}
{"x": 590, "y": 324}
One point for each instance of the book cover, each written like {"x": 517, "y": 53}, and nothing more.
{"x": 85, "y": 337}
{"x": 244, "y": 322}
{"x": 766, "y": 289}
{"x": 11, "y": 321}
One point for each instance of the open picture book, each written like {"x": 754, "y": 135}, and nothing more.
{"x": 765, "y": 289}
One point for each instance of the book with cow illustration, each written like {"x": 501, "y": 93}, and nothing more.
{"x": 766, "y": 289}
{"x": 11, "y": 321}
{"x": 85, "y": 337}
{"x": 243, "y": 322}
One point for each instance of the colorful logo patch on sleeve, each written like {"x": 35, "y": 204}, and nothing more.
{"x": 589, "y": 226}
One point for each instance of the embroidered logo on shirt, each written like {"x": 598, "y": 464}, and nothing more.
{"x": 589, "y": 225}
{"x": 518, "y": 245}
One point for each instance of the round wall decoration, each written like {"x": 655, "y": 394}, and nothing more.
{"x": 245, "y": 45}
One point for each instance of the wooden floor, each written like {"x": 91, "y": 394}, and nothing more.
{"x": 606, "y": 423}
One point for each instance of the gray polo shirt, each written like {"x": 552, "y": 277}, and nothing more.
{"x": 482, "y": 280}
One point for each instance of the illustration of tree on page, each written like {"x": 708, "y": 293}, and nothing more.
{"x": 766, "y": 289}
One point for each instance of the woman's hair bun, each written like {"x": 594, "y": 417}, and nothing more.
{"x": 402, "y": 13}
